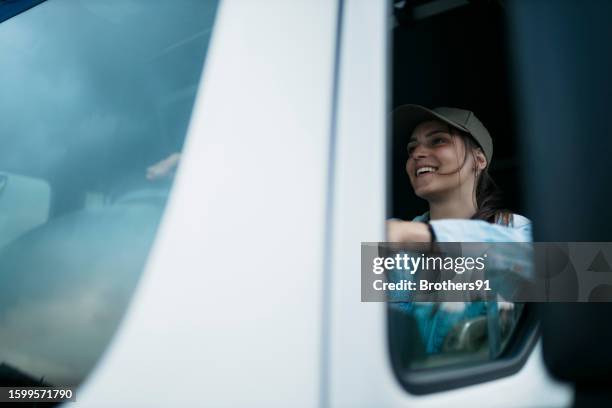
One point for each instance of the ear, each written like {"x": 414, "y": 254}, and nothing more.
{"x": 481, "y": 160}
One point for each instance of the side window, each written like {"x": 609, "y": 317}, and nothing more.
{"x": 95, "y": 104}
{"x": 453, "y": 56}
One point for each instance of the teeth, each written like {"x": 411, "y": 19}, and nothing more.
{"x": 425, "y": 170}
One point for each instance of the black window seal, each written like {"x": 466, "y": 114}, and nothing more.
{"x": 427, "y": 381}
{"x": 11, "y": 8}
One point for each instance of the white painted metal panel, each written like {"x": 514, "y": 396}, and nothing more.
{"x": 228, "y": 311}
{"x": 359, "y": 373}
{"x": 360, "y": 370}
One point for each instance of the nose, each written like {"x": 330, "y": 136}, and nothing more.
{"x": 419, "y": 152}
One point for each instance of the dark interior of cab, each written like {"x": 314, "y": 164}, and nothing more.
{"x": 455, "y": 54}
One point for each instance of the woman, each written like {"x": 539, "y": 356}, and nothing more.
{"x": 449, "y": 152}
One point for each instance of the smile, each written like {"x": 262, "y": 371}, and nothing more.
{"x": 425, "y": 170}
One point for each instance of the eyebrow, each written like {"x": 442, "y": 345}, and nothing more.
{"x": 429, "y": 134}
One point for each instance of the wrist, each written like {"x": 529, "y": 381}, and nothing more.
{"x": 432, "y": 233}
{"x": 420, "y": 232}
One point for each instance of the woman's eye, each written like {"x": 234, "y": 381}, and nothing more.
{"x": 438, "y": 141}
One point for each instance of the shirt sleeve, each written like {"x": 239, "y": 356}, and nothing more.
{"x": 505, "y": 263}
{"x": 459, "y": 230}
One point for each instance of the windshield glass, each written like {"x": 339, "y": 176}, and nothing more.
{"x": 95, "y": 103}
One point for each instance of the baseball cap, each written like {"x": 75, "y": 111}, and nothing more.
{"x": 407, "y": 117}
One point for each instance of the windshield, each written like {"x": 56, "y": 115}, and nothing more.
{"x": 95, "y": 104}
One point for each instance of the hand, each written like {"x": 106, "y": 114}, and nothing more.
{"x": 163, "y": 168}
{"x": 407, "y": 231}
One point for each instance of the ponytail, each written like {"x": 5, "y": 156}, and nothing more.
{"x": 489, "y": 206}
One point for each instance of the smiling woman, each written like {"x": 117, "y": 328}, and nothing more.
{"x": 449, "y": 151}
{"x": 436, "y": 151}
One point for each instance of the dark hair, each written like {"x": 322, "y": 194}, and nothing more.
{"x": 489, "y": 205}
{"x": 489, "y": 202}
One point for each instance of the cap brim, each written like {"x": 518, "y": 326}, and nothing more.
{"x": 407, "y": 117}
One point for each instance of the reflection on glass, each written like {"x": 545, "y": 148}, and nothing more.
{"x": 430, "y": 334}
{"x": 94, "y": 93}
{"x": 455, "y": 327}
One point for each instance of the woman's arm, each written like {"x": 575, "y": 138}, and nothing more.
{"x": 408, "y": 231}
{"x": 457, "y": 230}
{"x": 501, "y": 258}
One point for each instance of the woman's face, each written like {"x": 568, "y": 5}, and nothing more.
{"x": 435, "y": 163}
